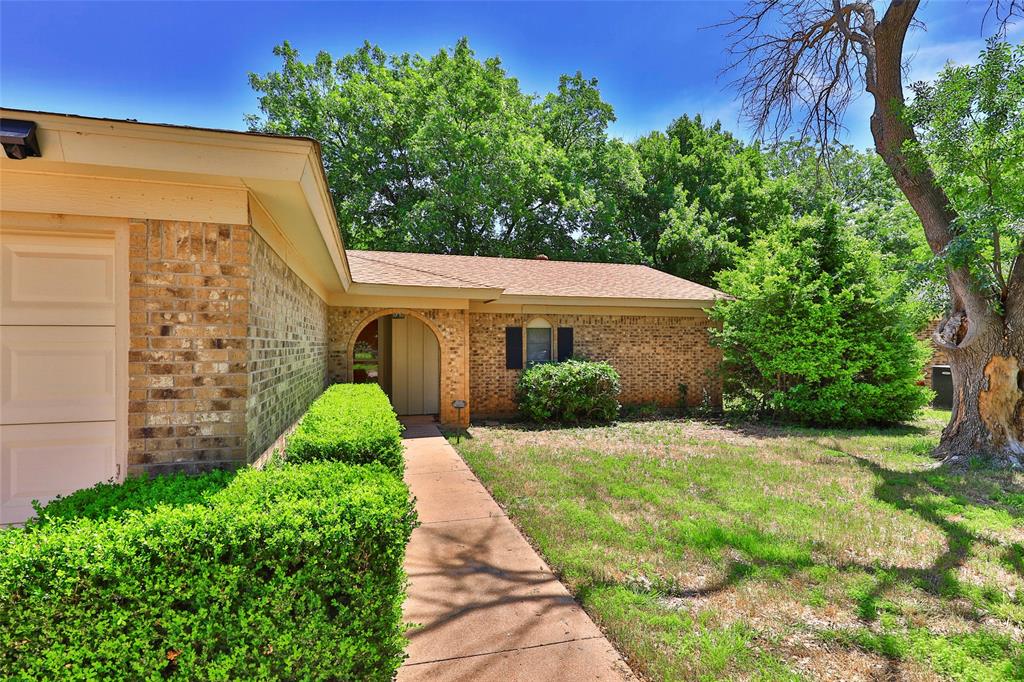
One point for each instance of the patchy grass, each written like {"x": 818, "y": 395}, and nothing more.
{"x": 750, "y": 552}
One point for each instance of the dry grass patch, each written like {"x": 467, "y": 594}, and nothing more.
{"x": 717, "y": 551}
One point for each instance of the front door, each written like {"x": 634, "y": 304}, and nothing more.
{"x": 415, "y": 367}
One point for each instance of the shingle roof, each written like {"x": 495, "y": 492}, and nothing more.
{"x": 524, "y": 277}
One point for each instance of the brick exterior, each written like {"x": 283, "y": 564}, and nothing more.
{"x": 939, "y": 356}
{"x": 188, "y": 381}
{"x": 287, "y": 347}
{"x": 653, "y": 355}
{"x": 228, "y": 346}
{"x": 450, "y": 326}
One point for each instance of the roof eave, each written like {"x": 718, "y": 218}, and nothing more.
{"x": 284, "y": 174}
{"x": 467, "y": 293}
{"x": 607, "y": 301}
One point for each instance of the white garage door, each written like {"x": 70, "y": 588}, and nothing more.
{"x": 58, "y": 367}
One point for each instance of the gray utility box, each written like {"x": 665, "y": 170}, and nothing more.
{"x": 942, "y": 384}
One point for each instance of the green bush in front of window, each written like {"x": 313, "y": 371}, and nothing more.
{"x": 570, "y": 392}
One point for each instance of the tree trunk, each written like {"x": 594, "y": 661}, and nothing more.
{"x": 985, "y": 347}
{"x": 988, "y": 395}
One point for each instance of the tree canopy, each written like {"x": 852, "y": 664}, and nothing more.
{"x": 970, "y": 125}
{"x": 446, "y": 154}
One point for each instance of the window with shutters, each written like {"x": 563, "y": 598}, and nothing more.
{"x": 538, "y": 341}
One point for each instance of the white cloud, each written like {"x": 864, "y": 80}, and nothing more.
{"x": 927, "y": 58}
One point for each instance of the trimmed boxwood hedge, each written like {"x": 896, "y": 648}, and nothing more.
{"x": 292, "y": 573}
{"x": 106, "y": 500}
{"x": 351, "y": 423}
{"x": 570, "y": 391}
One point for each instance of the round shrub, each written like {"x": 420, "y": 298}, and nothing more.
{"x": 570, "y": 391}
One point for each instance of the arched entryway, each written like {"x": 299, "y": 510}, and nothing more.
{"x": 401, "y": 351}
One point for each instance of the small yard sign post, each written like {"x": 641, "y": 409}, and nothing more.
{"x": 458, "y": 405}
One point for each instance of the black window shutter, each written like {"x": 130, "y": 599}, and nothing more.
{"x": 564, "y": 343}
{"x": 513, "y": 347}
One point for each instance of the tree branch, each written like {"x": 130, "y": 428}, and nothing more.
{"x": 803, "y": 61}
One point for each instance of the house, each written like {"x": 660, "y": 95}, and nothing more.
{"x": 173, "y": 298}
{"x": 937, "y": 374}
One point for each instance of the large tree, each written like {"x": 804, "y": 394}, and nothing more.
{"x": 446, "y": 154}
{"x": 705, "y": 193}
{"x": 803, "y": 61}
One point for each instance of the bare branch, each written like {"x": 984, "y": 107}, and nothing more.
{"x": 800, "y": 63}
{"x": 1004, "y": 12}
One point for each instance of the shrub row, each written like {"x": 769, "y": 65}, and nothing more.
{"x": 107, "y": 500}
{"x": 351, "y": 423}
{"x": 291, "y": 573}
{"x": 570, "y": 391}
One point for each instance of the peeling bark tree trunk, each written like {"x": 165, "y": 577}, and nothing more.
{"x": 988, "y": 394}
{"x": 985, "y": 347}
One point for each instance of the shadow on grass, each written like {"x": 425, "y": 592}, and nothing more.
{"x": 933, "y": 495}
{"x": 926, "y": 494}
{"x": 922, "y": 493}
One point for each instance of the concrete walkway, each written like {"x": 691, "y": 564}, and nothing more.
{"x": 486, "y": 605}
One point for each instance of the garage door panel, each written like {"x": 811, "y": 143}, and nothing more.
{"x": 41, "y": 461}
{"x": 56, "y": 280}
{"x": 57, "y": 374}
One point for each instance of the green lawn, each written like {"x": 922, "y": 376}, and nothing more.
{"x": 748, "y": 552}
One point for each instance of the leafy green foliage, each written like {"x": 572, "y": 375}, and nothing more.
{"x": 107, "y": 500}
{"x": 818, "y": 331}
{"x": 351, "y": 423}
{"x": 570, "y": 391}
{"x": 970, "y": 123}
{"x": 860, "y": 186}
{"x": 705, "y": 194}
{"x": 447, "y": 155}
{"x": 290, "y": 573}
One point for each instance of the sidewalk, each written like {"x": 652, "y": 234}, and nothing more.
{"x": 486, "y": 606}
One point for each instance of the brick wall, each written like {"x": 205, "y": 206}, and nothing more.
{"x": 189, "y": 307}
{"x": 450, "y": 326}
{"x": 653, "y": 355}
{"x": 939, "y": 356}
{"x": 287, "y": 347}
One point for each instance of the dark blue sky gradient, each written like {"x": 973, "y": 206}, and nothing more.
{"x": 187, "y": 63}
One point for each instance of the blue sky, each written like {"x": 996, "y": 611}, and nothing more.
{"x": 187, "y": 63}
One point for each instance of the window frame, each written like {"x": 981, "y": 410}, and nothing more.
{"x": 538, "y": 322}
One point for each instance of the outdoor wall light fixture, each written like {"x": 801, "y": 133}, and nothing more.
{"x": 19, "y": 138}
